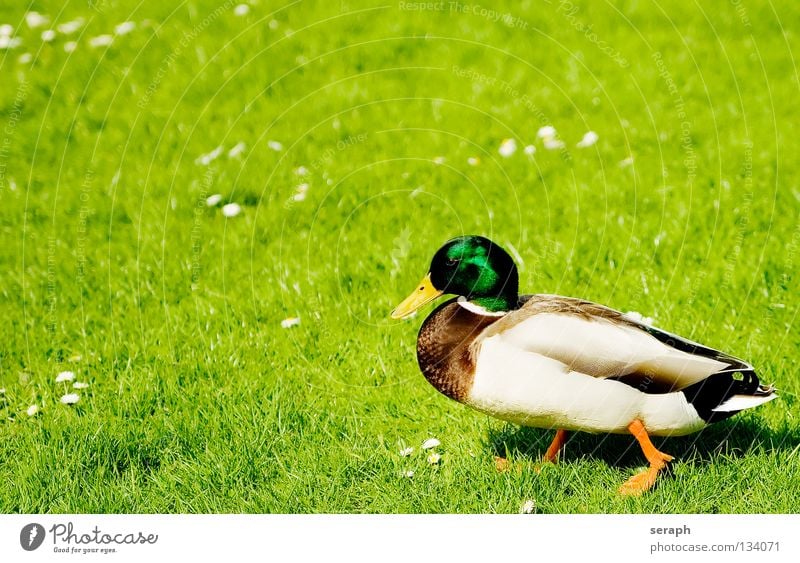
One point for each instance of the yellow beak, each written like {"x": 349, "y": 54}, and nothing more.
{"x": 425, "y": 293}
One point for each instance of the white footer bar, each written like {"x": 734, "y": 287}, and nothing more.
{"x": 354, "y": 538}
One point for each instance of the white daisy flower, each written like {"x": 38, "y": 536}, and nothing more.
{"x": 473, "y": 161}
{"x": 124, "y": 28}
{"x": 237, "y": 149}
{"x": 6, "y": 30}
{"x": 213, "y": 200}
{"x": 70, "y": 46}
{"x": 35, "y": 19}
{"x": 241, "y": 10}
{"x": 405, "y": 452}
{"x": 273, "y": 24}
{"x": 208, "y": 158}
{"x": 32, "y": 410}
{"x": 430, "y": 443}
{"x": 507, "y": 147}
{"x": 434, "y": 458}
{"x": 300, "y": 192}
{"x": 231, "y": 209}
{"x": 277, "y": 146}
{"x": 409, "y": 474}
{"x": 70, "y": 27}
{"x": 9, "y": 42}
{"x": 530, "y": 149}
{"x": 301, "y": 171}
{"x": 625, "y": 162}
{"x": 2, "y": 390}
{"x": 24, "y": 58}
{"x": 80, "y": 385}
{"x": 101, "y": 41}
{"x": 528, "y": 507}
{"x": 588, "y": 140}
{"x": 48, "y": 35}
{"x": 70, "y": 398}
{"x": 552, "y": 144}
{"x": 546, "y": 132}
{"x": 290, "y": 322}
{"x": 65, "y": 376}
{"x": 439, "y": 160}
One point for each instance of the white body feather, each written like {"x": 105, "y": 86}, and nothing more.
{"x": 605, "y": 349}
{"x": 530, "y": 389}
{"x": 550, "y": 371}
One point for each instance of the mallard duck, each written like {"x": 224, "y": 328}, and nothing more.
{"x": 567, "y": 364}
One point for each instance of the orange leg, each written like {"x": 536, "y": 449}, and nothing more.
{"x": 502, "y": 465}
{"x": 645, "y": 480}
{"x": 555, "y": 446}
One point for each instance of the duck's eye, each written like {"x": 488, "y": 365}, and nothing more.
{"x": 451, "y": 262}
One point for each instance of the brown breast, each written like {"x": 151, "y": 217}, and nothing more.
{"x": 443, "y": 348}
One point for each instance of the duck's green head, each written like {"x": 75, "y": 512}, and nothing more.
{"x": 473, "y": 267}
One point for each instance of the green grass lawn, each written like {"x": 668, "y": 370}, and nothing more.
{"x": 113, "y": 266}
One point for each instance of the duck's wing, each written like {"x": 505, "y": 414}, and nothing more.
{"x": 604, "y": 343}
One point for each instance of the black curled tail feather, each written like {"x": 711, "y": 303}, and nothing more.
{"x": 739, "y": 378}
{"x": 713, "y": 391}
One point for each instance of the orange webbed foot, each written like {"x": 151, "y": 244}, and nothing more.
{"x": 501, "y": 464}
{"x": 644, "y": 481}
{"x": 640, "y": 483}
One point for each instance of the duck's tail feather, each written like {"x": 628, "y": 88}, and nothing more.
{"x": 741, "y": 402}
{"x": 723, "y": 394}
